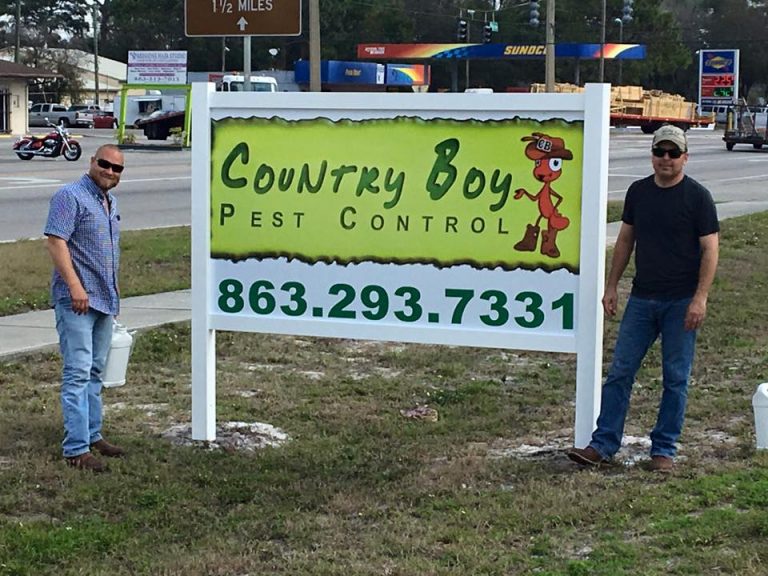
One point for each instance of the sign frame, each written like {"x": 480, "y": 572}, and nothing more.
{"x": 591, "y": 107}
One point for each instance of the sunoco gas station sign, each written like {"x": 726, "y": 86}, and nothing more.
{"x": 242, "y": 17}
{"x": 718, "y": 77}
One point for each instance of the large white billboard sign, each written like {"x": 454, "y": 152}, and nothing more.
{"x": 460, "y": 219}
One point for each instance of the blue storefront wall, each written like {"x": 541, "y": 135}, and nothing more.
{"x": 336, "y": 72}
{"x": 339, "y": 72}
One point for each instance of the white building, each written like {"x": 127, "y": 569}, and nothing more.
{"x": 112, "y": 74}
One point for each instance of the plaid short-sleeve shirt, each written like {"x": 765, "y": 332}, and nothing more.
{"x": 78, "y": 216}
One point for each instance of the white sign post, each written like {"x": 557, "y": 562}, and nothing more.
{"x": 459, "y": 219}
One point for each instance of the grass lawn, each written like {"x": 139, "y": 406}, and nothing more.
{"x": 361, "y": 488}
{"x": 151, "y": 261}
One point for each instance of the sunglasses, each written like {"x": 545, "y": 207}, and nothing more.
{"x": 675, "y": 153}
{"x": 106, "y": 165}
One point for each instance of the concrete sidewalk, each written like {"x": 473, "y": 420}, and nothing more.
{"x": 37, "y": 330}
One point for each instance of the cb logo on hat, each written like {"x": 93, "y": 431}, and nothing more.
{"x": 544, "y": 144}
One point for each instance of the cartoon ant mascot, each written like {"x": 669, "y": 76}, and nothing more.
{"x": 548, "y": 154}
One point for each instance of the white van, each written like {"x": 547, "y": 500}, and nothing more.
{"x": 236, "y": 83}
{"x": 720, "y": 112}
{"x": 479, "y": 91}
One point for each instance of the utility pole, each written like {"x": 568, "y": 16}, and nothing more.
{"x": 314, "y": 46}
{"x": 602, "y": 44}
{"x": 97, "y": 98}
{"x": 17, "y": 53}
{"x": 620, "y": 22}
{"x": 470, "y": 16}
{"x": 549, "y": 54}
{"x": 247, "y": 63}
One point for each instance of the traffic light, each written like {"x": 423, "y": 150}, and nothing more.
{"x": 626, "y": 14}
{"x": 534, "y": 16}
{"x": 461, "y": 31}
{"x": 487, "y": 34}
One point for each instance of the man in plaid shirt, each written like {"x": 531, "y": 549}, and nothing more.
{"x": 83, "y": 231}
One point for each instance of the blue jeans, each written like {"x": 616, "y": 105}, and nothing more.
{"x": 643, "y": 321}
{"x": 84, "y": 341}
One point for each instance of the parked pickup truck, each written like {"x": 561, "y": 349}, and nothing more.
{"x": 76, "y": 115}
{"x": 84, "y": 114}
{"x": 39, "y": 114}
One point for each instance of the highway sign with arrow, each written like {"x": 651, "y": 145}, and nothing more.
{"x": 242, "y": 17}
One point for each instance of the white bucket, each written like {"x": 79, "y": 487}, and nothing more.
{"x": 760, "y": 406}
{"x": 117, "y": 358}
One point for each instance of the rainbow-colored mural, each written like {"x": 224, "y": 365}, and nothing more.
{"x": 408, "y": 75}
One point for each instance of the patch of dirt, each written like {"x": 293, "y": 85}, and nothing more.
{"x": 264, "y": 367}
{"x": 635, "y": 450}
{"x": 249, "y": 393}
{"x": 311, "y": 374}
{"x": 148, "y": 409}
{"x": 421, "y": 412}
{"x": 231, "y": 436}
{"x": 380, "y": 371}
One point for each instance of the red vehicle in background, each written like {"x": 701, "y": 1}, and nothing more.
{"x": 102, "y": 119}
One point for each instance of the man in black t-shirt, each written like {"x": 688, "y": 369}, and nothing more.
{"x": 670, "y": 222}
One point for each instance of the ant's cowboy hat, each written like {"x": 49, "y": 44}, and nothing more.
{"x": 545, "y": 146}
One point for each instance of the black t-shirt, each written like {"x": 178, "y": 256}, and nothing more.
{"x": 668, "y": 223}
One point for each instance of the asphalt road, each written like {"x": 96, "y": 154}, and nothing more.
{"x": 153, "y": 192}
{"x": 736, "y": 179}
{"x": 155, "y": 188}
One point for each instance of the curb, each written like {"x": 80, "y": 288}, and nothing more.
{"x": 153, "y": 147}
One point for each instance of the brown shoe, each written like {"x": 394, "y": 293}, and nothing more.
{"x": 662, "y": 464}
{"x": 87, "y": 461}
{"x": 585, "y": 456}
{"x": 107, "y": 449}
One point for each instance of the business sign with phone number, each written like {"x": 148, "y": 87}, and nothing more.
{"x": 375, "y": 302}
{"x": 379, "y": 300}
{"x": 457, "y": 219}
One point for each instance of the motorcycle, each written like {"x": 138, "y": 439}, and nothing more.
{"x": 56, "y": 143}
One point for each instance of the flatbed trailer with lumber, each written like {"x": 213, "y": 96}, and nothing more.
{"x": 648, "y": 109}
{"x": 649, "y": 124}
{"x": 651, "y": 109}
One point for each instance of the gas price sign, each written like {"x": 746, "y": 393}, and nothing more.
{"x": 717, "y": 80}
{"x": 718, "y": 77}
